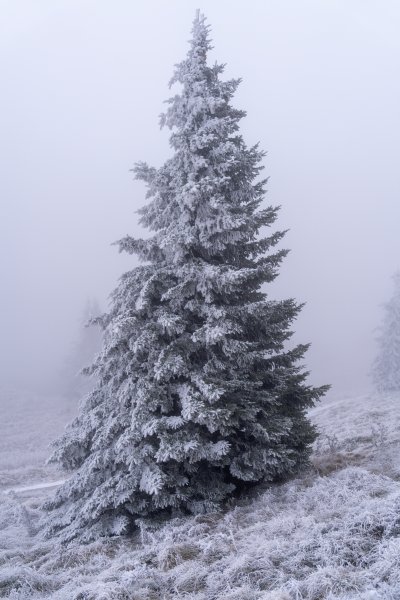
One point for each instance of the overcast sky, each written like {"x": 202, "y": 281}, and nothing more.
{"x": 83, "y": 83}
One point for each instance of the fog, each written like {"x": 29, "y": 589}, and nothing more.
{"x": 83, "y": 83}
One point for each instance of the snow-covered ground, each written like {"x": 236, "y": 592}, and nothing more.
{"x": 332, "y": 533}
{"x": 27, "y": 426}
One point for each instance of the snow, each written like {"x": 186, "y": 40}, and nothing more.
{"x": 34, "y": 487}
{"x": 332, "y": 533}
{"x": 28, "y": 424}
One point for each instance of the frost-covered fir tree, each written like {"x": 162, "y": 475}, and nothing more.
{"x": 386, "y": 368}
{"x": 197, "y": 396}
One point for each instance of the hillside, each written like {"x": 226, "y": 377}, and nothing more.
{"x": 331, "y": 533}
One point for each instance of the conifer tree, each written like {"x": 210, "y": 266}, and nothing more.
{"x": 197, "y": 396}
{"x": 386, "y": 368}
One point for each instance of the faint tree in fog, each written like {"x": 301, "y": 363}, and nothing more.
{"x": 74, "y": 382}
{"x": 197, "y": 396}
{"x": 386, "y": 368}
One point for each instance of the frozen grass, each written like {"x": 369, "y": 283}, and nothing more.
{"x": 333, "y": 533}
{"x": 27, "y": 426}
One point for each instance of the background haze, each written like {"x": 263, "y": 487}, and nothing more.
{"x": 83, "y": 85}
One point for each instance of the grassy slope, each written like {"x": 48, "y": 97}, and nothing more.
{"x": 332, "y": 533}
{"x": 27, "y": 426}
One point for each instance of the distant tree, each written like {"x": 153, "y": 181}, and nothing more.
{"x": 197, "y": 396}
{"x": 74, "y": 383}
{"x": 386, "y": 368}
